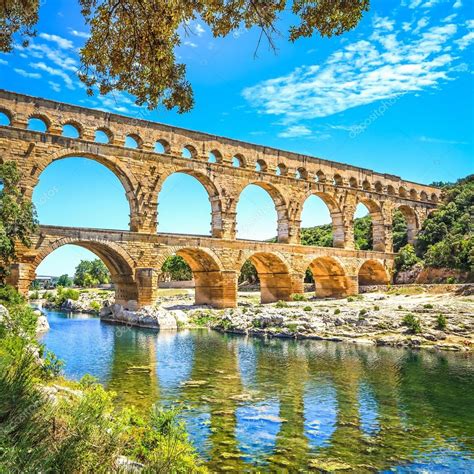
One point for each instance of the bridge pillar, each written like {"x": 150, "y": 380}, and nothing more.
{"x": 147, "y": 286}
{"x": 223, "y": 224}
{"x": 216, "y": 288}
{"x": 20, "y": 277}
{"x": 275, "y": 287}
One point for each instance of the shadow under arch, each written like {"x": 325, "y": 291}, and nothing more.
{"x": 378, "y": 227}
{"x": 126, "y": 178}
{"x": 274, "y": 276}
{"x": 213, "y": 194}
{"x": 372, "y": 272}
{"x": 211, "y": 286}
{"x": 411, "y": 220}
{"x": 330, "y": 277}
{"x": 280, "y": 207}
{"x": 337, "y": 218}
{"x": 120, "y": 265}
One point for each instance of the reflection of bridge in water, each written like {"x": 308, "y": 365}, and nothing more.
{"x": 367, "y": 408}
{"x": 134, "y": 258}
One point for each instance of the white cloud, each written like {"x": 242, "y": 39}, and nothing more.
{"x": 80, "y": 34}
{"x": 199, "y": 29}
{"x": 386, "y": 65}
{"x": 3, "y": 62}
{"x": 55, "y": 72}
{"x": 457, "y": 4}
{"x": 63, "y": 43}
{"x": 55, "y": 86}
{"x": 58, "y": 57}
{"x": 442, "y": 141}
{"x": 468, "y": 38}
{"x": 29, "y": 75}
{"x": 190, "y": 44}
{"x": 295, "y": 131}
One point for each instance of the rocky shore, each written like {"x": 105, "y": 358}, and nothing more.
{"x": 436, "y": 317}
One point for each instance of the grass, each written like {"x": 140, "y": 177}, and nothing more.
{"x": 441, "y": 322}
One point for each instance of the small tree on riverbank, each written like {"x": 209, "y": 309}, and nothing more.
{"x": 17, "y": 217}
{"x": 90, "y": 273}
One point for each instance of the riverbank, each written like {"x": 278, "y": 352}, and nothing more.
{"x": 418, "y": 316}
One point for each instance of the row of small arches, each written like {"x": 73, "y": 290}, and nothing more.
{"x": 72, "y": 129}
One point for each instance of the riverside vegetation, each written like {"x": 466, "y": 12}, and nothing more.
{"x": 50, "y": 424}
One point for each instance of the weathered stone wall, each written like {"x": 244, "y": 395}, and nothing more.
{"x": 135, "y": 258}
{"x": 143, "y": 171}
{"x": 135, "y": 261}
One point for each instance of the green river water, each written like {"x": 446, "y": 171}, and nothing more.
{"x": 285, "y": 405}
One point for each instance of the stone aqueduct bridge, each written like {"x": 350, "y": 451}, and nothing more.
{"x": 135, "y": 257}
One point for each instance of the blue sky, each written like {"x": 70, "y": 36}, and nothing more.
{"x": 394, "y": 95}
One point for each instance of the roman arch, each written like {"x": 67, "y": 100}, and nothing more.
{"x": 225, "y": 167}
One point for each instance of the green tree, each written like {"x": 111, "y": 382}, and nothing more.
{"x": 399, "y": 231}
{"x": 133, "y": 42}
{"x": 90, "y": 273}
{"x": 177, "y": 268}
{"x": 446, "y": 239}
{"x": 64, "y": 281}
{"x": 17, "y": 217}
{"x": 248, "y": 273}
{"x": 363, "y": 233}
{"x": 406, "y": 258}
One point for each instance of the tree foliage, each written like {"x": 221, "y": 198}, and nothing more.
{"x": 248, "y": 273}
{"x": 90, "y": 273}
{"x": 177, "y": 268}
{"x": 446, "y": 239}
{"x": 132, "y": 43}
{"x": 17, "y": 217}
{"x": 64, "y": 281}
{"x": 406, "y": 258}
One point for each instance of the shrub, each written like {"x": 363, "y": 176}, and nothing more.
{"x": 292, "y": 327}
{"x": 95, "y": 306}
{"x": 298, "y": 297}
{"x": 451, "y": 280}
{"x": 428, "y": 306}
{"x": 412, "y": 323}
{"x": 337, "y": 311}
{"x": 441, "y": 322}
{"x": 281, "y": 304}
{"x": 66, "y": 294}
{"x": 406, "y": 258}
{"x": 307, "y": 308}
{"x": 362, "y": 312}
{"x": 256, "y": 323}
{"x": 350, "y": 299}
{"x": 376, "y": 308}
{"x": 8, "y": 295}
{"x": 34, "y": 295}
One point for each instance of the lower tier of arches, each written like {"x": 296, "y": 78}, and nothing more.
{"x": 135, "y": 267}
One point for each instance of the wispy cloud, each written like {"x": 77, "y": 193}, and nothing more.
{"x": 382, "y": 66}
{"x": 63, "y": 43}
{"x": 29, "y": 75}
{"x": 80, "y": 34}
{"x": 199, "y": 29}
{"x": 55, "y": 86}
{"x": 190, "y": 44}
{"x": 3, "y": 62}
{"x": 55, "y": 72}
{"x": 442, "y": 141}
{"x": 295, "y": 131}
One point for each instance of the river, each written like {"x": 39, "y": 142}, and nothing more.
{"x": 252, "y": 404}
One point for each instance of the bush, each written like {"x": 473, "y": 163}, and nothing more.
{"x": 9, "y": 295}
{"x": 96, "y": 306}
{"x": 34, "y": 295}
{"x": 376, "y": 308}
{"x": 307, "y": 308}
{"x": 337, "y": 311}
{"x": 412, "y": 323}
{"x": 406, "y": 258}
{"x": 362, "y": 312}
{"x": 66, "y": 294}
{"x": 298, "y": 297}
{"x": 428, "y": 306}
{"x": 451, "y": 280}
{"x": 441, "y": 322}
{"x": 281, "y": 304}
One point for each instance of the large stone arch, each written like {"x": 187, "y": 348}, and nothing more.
{"x": 214, "y": 285}
{"x": 120, "y": 264}
{"x": 373, "y": 272}
{"x": 337, "y": 217}
{"x": 123, "y": 174}
{"x": 214, "y": 195}
{"x": 378, "y": 222}
{"x": 274, "y": 275}
{"x": 281, "y": 207}
{"x": 330, "y": 277}
{"x": 412, "y": 221}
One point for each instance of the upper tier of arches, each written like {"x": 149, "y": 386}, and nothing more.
{"x": 83, "y": 124}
